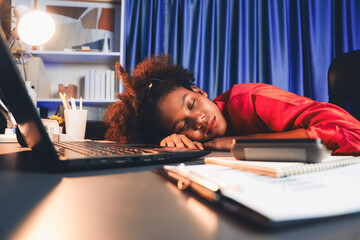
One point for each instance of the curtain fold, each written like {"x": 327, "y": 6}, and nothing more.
{"x": 287, "y": 43}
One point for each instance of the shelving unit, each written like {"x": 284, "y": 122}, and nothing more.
{"x": 50, "y": 102}
{"x": 68, "y": 67}
{"x": 77, "y": 56}
{"x": 48, "y": 106}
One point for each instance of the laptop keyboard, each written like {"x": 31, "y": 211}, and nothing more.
{"x": 93, "y": 149}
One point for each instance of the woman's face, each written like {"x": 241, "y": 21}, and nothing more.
{"x": 191, "y": 113}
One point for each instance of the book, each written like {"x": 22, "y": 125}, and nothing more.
{"x": 107, "y": 84}
{"x": 272, "y": 202}
{"x": 97, "y": 86}
{"x": 102, "y": 86}
{"x": 87, "y": 84}
{"x": 283, "y": 169}
{"x": 112, "y": 85}
{"x": 92, "y": 84}
{"x": 121, "y": 85}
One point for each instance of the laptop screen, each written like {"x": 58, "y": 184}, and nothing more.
{"x": 20, "y": 105}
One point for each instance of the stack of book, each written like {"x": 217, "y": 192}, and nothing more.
{"x": 101, "y": 85}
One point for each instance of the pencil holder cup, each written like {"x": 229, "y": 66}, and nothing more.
{"x": 75, "y": 123}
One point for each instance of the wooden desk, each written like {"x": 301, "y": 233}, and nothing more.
{"x": 132, "y": 203}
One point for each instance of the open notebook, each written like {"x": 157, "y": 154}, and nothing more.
{"x": 283, "y": 169}
{"x": 268, "y": 201}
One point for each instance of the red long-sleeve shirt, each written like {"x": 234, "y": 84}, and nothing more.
{"x": 261, "y": 108}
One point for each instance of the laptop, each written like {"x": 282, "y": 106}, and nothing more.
{"x": 51, "y": 156}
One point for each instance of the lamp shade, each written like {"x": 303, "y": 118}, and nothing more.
{"x": 36, "y": 27}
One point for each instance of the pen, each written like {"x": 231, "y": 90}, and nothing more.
{"x": 185, "y": 179}
{"x": 80, "y": 105}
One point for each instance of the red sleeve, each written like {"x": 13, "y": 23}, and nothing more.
{"x": 265, "y": 108}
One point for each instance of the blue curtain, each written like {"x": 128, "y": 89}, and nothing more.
{"x": 287, "y": 43}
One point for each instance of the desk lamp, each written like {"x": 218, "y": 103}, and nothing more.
{"x": 34, "y": 27}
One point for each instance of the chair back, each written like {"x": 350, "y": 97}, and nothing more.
{"x": 344, "y": 82}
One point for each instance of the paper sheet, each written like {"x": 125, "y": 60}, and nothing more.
{"x": 321, "y": 194}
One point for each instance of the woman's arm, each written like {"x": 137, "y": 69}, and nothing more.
{"x": 224, "y": 143}
{"x": 282, "y": 111}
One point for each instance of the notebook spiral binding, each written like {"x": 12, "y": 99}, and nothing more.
{"x": 316, "y": 167}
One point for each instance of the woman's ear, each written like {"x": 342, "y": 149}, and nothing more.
{"x": 198, "y": 90}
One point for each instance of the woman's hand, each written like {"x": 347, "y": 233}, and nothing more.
{"x": 180, "y": 140}
{"x": 221, "y": 143}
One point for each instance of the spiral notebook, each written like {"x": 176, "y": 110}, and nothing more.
{"x": 273, "y": 202}
{"x": 283, "y": 169}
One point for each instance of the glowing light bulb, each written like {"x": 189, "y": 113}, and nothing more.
{"x": 36, "y": 27}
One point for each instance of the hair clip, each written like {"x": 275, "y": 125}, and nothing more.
{"x": 155, "y": 79}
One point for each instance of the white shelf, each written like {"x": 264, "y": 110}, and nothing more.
{"x": 76, "y": 57}
{"x": 52, "y": 103}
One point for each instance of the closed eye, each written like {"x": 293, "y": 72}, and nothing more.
{"x": 192, "y": 105}
{"x": 183, "y": 127}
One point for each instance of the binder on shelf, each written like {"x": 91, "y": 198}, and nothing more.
{"x": 102, "y": 86}
{"x": 120, "y": 85}
{"x": 97, "y": 86}
{"x": 107, "y": 84}
{"x": 92, "y": 84}
{"x": 112, "y": 85}
{"x": 87, "y": 85}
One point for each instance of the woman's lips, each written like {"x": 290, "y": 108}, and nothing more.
{"x": 211, "y": 125}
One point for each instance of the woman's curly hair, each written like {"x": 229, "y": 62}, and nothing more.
{"x": 135, "y": 118}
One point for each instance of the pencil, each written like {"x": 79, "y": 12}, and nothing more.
{"x": 66, "y": 102}
{"x": 63, "y": 101}
{"x": 73, "y": 104}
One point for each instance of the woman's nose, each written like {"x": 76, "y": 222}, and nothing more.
{"x": 199, "y": 121}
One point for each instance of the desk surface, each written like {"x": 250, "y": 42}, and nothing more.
{"x": 131, "y": 203}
